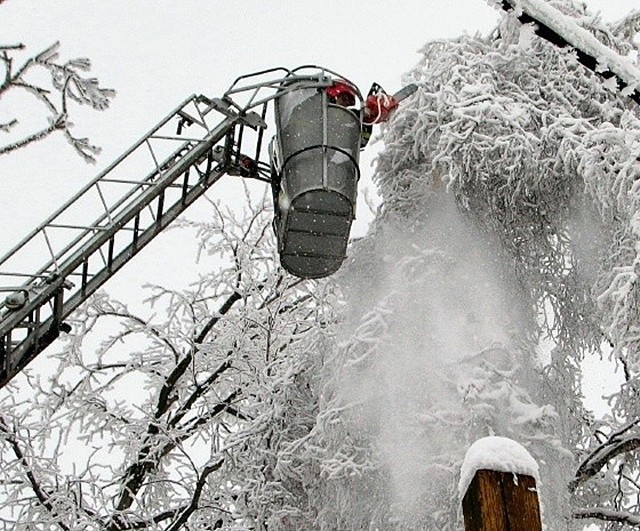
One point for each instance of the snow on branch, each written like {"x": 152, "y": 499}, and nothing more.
{"x": 562, "y": 30}
{"x": 68, "y": 83}
{"x": 67, "y": 78}
{"x": 607, "y": 515}
{"x": 621, "y": 441}
{"x": 628, "y": 27}
{"x": 45, "y": 496}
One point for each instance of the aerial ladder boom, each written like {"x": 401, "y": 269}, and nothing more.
{"x": 92, "y": 236}
{"x": 82, "y": 254}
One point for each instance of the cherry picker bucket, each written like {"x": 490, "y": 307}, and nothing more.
{"x": 315, "y": 174}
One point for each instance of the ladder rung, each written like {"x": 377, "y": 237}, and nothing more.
{"x": 145, "y": 183}
{"x": 180, "y": 138}
{"x": 79, "y": 227}
{"x": 25, "y": 275}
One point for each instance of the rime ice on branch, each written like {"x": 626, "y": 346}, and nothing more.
{"x": 563, "y": 30}
{"x": 68, "y": 83}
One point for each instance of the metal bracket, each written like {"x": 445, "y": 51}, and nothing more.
{"x": 226, "y": 106}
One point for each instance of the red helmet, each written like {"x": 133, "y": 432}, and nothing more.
{"x": 344, "y": 90}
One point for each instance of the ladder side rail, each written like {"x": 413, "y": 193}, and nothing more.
{"x": 146, "y": 197}
{"x": 57, "y": 281}
{"x": 35, "y": 232}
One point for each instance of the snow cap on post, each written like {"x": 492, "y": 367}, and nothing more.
{"x": 496, "y": 453}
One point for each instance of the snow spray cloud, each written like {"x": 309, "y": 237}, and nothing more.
{"x": 427, "y": 354}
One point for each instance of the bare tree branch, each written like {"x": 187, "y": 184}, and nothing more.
{"x": 6, "y": 127}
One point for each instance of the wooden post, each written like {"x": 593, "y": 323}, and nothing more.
{"x": 501, "y": 501}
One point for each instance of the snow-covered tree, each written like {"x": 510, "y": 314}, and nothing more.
{"x": 54, "y": 85}
{"x": 173, "y": 420}
{"x": 504, "y": 254}
{"x": 541, "y": 159}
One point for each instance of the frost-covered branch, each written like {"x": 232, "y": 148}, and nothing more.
{"x": 541, "y": 154}
{"x": 627, "y": 29}
{"x": 58, "y": 124}
{"x": 146, "y": 325}
{"x": 617, "y": 443}
{"x": 68, "y": 82}
{"x": 563, "y": 30}
{"x": 179, "y": 523}
{"x": 604, "y": 514}
{"x": 41, "y": 492}
{"x": 149, "y": 455}
{"x": 211, "y": 372}
{"x": 152, "y": 452}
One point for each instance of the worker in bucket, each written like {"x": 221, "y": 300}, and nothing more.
{"x": 376, "y": 109}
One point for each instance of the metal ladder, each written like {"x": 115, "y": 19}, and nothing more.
{"x": 92, "y": 236}
{"x": 112, "y": 218}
